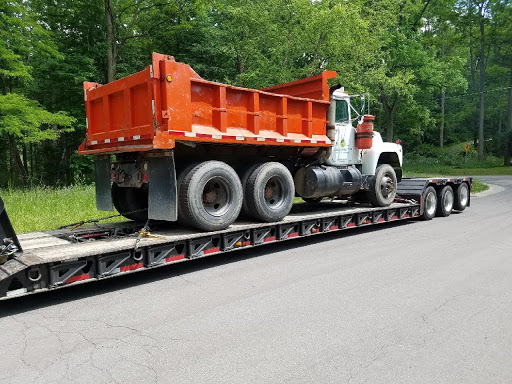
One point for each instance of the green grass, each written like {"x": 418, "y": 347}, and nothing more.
{"x": 39, "y": 209}
{"x": 478, "y": 186}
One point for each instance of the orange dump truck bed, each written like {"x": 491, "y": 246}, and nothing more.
{"x": 169, "y": 102}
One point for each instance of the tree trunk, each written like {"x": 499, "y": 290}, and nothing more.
{"x": 25, "y": 158}
{"x": 389, "y": 129}
{"x": 443, "y": 97}
{"x": 441, "y": 127}
{"x": 111, "y": 41}
{"x": 390, "y": 114}
{"x": 17, "y": 158}
{"x": 482, "y": 86}
{"x": 508, "y": 138}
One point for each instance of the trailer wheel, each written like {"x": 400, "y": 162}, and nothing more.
{"x": 269, "y": 192}
{"x": 210, "y": 196}
{"x": 429, "y": 203}
{"x": 382, "y": 190}
{"x": 461, "y": 197}
{"x": 131, "y": 202}
{"x": 445, "y": 201}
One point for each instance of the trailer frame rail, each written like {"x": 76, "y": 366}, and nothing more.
{"x": 18, "y": 278}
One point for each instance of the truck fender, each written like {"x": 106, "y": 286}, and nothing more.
{"x": 385, "y": 153}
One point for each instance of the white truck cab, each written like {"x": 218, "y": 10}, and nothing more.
{"x": 358, "y": 164}
{"x": 342, "y": 133}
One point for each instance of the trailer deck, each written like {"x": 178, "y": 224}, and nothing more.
{"x": 58, "y": 258}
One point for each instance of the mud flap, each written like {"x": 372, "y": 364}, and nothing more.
{"x": 163, "y": 202}
{"x": 6, "y": 229}
{"x": 102, "y": 182}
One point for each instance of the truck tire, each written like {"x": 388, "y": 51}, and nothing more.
{"x": 429, "y": 203}
{"x": 269, "y": 192}
{"x": 210, "y": 196}
{"x": 382, "y": 189}
{"x": 179, "y": 181}
{"x": 245, "y": 212}
{"x": 461, "y": 193}
{"x": 445, "y": 201}
{"x": 131, "y": 202}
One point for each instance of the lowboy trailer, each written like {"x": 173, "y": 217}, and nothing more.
{"x": 42, "y": 261}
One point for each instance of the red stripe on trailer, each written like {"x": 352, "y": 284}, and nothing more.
{"x": 271, "y": 139}
{"x": 294, "y": 234}
{"x": 174, "y": 258}
{"x": 351, "y": 225}
{"x": 333, "y": 227}
{"x": 177, "y": 133}
{"x": 272, "y": 238}
{"x": 73, "y": 279}
{"x": 203, "y": 135}
{"x": 394, "y": 217}
{"x": 381, "y": 220}
{"x": 246, "y": 243}
{"x": 131, "y": 267}
{"x": 211, "y": 250}
{"x": 406, "y": 216}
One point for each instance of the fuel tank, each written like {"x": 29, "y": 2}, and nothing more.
{"x": 327, "y": 181}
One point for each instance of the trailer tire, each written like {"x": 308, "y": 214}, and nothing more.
{"x": 382, "y": 189}
{"x": 269, "y": 192}
{"x": 210, "y": 196}
{"x": 129, "y": 199}
{"x": 461, "y": 193}
{"x": 429, "y": 203}
{"x": 445, "y": 201}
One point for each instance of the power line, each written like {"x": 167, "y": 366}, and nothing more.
{"x": 476, "y": 93}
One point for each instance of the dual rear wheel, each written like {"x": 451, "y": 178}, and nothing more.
{"x": 211, "y": 194}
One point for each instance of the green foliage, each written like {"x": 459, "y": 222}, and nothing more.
{"x": 24, "y": 118}
{"x": 450, "y": 161}
{"x": 405, "y": 54}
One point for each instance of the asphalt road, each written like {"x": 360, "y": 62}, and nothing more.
{"x": 417, "y": 302}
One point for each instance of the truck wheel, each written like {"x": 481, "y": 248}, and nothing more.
{"x": 131, "y": 202}
{"x": 269, "y": 192}
{"x": 247, "y": 173}
{"x": 210, "y": 196}
{"x": 461, "y": 197}
{"x": 445, "y": 201}
{"x": 429, "y": 203}
{"x": 382, "y": 190}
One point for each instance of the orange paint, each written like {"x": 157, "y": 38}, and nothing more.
{"x": 169, "y": 102}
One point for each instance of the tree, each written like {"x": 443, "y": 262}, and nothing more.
{"x": 23, "y": 120}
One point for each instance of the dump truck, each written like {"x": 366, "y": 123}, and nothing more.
{"x": 226, "y": 163}
{"x": 169, "y": 145}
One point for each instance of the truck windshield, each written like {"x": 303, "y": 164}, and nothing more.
{"x": 341, "y": 111}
